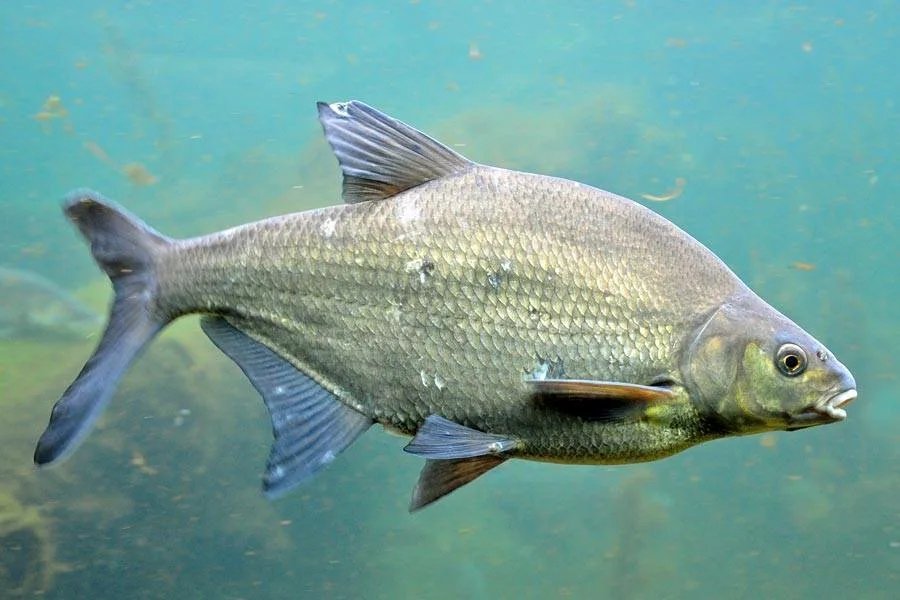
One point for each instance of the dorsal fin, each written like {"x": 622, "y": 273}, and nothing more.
{"x": 381, "y": 156}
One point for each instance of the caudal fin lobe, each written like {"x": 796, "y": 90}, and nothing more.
{"x": 125, "y": 248}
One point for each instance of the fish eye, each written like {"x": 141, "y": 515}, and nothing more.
{"x": 791, "y": 359}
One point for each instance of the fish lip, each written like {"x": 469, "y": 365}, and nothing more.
{"x": 829, "y": 410}
{"x": 840, "y": 400}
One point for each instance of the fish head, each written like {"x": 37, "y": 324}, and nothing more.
{"x": 752, "y": 369}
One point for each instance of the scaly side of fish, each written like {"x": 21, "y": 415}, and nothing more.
{"x": 490, "y": 313}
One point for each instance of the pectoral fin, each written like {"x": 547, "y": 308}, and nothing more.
{"x": 456, "y": 455}
{"x": 441, "y": 438}
{"x": 605, "y": 401}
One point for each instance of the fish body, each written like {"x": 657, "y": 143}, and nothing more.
{"x": 464, "y": 295}
{"x": 489, "y": 313}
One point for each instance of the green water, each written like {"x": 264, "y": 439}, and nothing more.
{"x": 781, "y": 118}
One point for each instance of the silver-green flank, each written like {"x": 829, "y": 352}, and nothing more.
{"x": 490, "y": 314}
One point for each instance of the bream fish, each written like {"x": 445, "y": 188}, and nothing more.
{"x": 489, "y": 313}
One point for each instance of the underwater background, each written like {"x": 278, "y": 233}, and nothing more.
{"x": 769, "y": 128}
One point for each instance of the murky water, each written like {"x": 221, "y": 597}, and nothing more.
{"x": 775, "y": 125}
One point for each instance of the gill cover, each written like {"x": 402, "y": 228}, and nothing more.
{"x": 733, "y": 368}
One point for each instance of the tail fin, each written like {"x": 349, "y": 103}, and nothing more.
{"x": 125, "y": 249}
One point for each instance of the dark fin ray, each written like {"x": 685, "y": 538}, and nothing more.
{"x": 440, "y": 477}
{"x": 441, "y": 438}
{"x": 124, "y": 248}
{"x": 381, "y": 156}
{"x": 310, "y": 425}
{"x": 599, "y": 390}
{"x": 603, "y": 401}
{"x": 356, "y": 189}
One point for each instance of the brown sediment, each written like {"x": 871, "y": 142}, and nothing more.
{"x": 98, "y": 152}
{"x": 125, "y": 65}
{"x": 138, "y": 174}
{"x": 637, "y": 517}
{"x": 135, "y": 172}
{"x": 43, "y": 524}
{"x": 768, "y": 440}
{"x": 803, "y": 266}
{"x": 28, "y": 561}
{"x": 139, "y": 462}
{"x": 51, "y": 110}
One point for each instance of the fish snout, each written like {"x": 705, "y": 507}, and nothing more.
{"x": 833, "y": 406}
{"x": 828, "y": 410}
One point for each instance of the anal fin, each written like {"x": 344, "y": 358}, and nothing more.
{"x": 311, "y": 425}
{"x": 440, "y": 477}
{"x": 455, "y": 455}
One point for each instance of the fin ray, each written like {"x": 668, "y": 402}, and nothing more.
{"x": 440, "y": 477}
{"x": 441, "y": 438}
{"x": 586, "y": 388}
{"x": 381, "y": 156}
{"x": 603, "y": 401}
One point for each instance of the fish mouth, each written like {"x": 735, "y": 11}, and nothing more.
{"x": 829, "y": 410}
